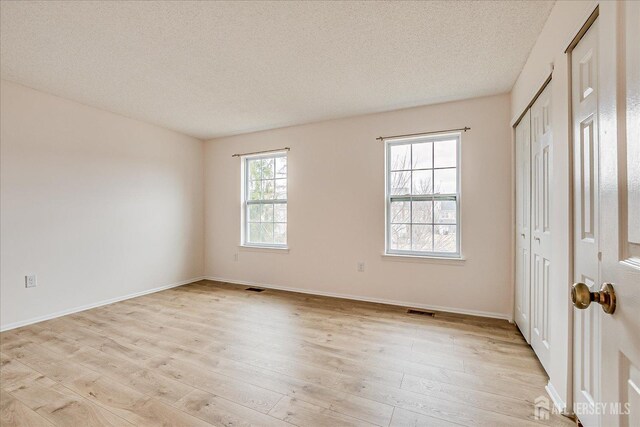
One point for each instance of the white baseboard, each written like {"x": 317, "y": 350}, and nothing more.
{"x": 263, "y": 285}
{"x": 94, "y": 305}
{"x": 560, "y": 404}
{"x": 367, "y": 299}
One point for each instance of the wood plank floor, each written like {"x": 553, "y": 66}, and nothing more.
{"x": 210, "y": 353}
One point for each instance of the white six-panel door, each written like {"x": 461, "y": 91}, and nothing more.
{"x": 584, "y": 92}
{"x": 606, "y": 127}
{"x": 523, "y": 225}
{"x": 619, "y": 106}
{"x": 541, "y": 187}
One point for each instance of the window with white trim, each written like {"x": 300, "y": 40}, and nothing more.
{"x": 265, "y": 200}
{"x": 423, "y": 196}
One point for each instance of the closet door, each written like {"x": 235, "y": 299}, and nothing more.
{"x": 541, "y": 186}
{"x": 523, "y": 225}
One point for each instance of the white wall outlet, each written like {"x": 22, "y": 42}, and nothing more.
{"x": 360, "y": 266}
{"x": 30, "y": 281}
{"x": 236, "y": 257}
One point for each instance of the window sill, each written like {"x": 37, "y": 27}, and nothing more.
{"x": 424, "y": 258}
{"x": 256, "y": 248}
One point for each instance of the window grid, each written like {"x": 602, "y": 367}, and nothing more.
{"x": 434, "y": 228}
{"x": 265, "y": 201}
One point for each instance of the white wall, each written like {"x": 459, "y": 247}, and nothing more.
{"x": 99, "y": 206}
{"x": 336, "y": 211}
{"x": 566, "y": 18}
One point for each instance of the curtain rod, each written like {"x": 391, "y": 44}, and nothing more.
{"x": 261, "y": 152}
{"x": 382, "y": 138}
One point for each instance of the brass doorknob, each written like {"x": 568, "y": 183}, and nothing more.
{"x": 582, "y": 297}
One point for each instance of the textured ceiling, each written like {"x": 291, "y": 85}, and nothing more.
{"x": 210, "y": 69}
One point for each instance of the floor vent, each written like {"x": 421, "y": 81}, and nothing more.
{"x": 254, "y": 289}
{"x": 421, "y": 312}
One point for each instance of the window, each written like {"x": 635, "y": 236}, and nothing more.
{"x": 423, "y": 196}
{"x": 265, "y": 200}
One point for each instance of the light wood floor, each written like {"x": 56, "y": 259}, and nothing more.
{"x": 215, "y": 354}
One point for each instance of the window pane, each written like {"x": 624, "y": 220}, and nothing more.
{"x": 266, "y": 181}
{"x": 268, "y": 168}
{"x": 422, "y": 182}
{"x": 422, "y": 212}
{"x": 400, "y": 183}
{"x": 445, "y": 181}
{"x": 254, "y": 169}
{"x": 422, "y": 155}
{"x": 280, "y": 212}
{"x": 400, "y": 237}
{"x": 400, "y": 212}
{"x": 417, "y": 173}
{"x": 254, "y": 233}
{"x": 281, "y": 189}
{"x": 400, "y": 157}
{"x": 267, "y": 213}
{"x": 422, "y": 238}
{"x": 445, "y": 238}
{"x": 281, "y": 167}
{"x": 445, "y": 212}
{"x": 268, "y": 189}
{"x": 280, "y": 233}
{"x": 266, "y": 232}
{"x": 445, "y": 154}
{"x": 255, "y": 190}
{"x": 255, "y": 213}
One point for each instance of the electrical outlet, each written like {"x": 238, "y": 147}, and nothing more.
{"x": 236, "y": 257}
{"x": 361, "y": 266}
{"x": 30, "y": 281}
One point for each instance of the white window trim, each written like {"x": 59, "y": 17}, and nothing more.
{"x": 264, "y": 249}
{"x": 243, "y": 202}
{"x": 422, "y": 259}
{"x": 458, "y": 197}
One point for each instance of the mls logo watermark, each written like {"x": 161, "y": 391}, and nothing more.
{"x": 541, "y": 408}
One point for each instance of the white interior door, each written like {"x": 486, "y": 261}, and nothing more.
{"x": 523, "y": 222}
{"x": 607, "y": 346}
{"x": 620, "y": 213}
{"x": 584, "y": 98}
{"x": 541, "y": 161}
